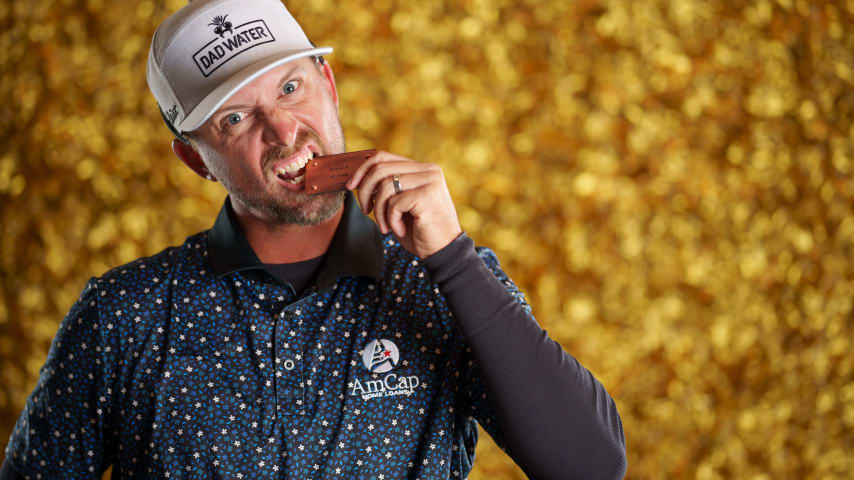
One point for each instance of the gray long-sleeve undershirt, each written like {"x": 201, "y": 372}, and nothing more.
{"x": 557, "y": 420}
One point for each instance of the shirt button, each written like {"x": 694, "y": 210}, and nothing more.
{"x": 289, "y": 364}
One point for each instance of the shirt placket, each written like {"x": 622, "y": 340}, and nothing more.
{"x": 289, "y": 362}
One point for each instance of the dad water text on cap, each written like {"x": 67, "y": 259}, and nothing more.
{"x": 230, "y": 43}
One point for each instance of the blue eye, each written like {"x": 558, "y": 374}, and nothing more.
{"x": 234, "y": 118}
{"x": 289, "y": 87}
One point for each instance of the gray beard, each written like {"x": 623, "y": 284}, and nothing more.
{"x": 313, "y": 210}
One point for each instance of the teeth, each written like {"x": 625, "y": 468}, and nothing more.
{"x": 296, "y": 180}
{"x": 296, "y": 164}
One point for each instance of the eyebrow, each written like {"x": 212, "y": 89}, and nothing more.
{"x": 287, "y": 75}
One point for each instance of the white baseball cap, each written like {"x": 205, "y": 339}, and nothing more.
{"x": 209, "y": 49}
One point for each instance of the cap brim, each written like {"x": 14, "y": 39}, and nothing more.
{"x": 226, "y": 89}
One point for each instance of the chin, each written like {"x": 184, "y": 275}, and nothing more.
{"x": 307, "y": 210}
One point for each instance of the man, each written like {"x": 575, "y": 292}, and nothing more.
{"x": 297, "y": 338}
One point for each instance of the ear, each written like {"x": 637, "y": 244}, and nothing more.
{"x": 191, "y": 158}
{"x": 330, "y": 80}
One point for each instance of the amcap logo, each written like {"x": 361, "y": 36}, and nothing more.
{"x": 380, "y": 356}
{"x": 223, "y": 48}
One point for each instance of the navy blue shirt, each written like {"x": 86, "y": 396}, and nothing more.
{"x": 199, "y": 363}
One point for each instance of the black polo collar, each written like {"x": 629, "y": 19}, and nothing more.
{"x": 356, "y": 248}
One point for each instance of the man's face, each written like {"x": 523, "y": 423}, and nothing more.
{"x": 257, "y": 144}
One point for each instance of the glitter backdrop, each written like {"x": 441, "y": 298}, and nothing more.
{"x": 668, "y": 181}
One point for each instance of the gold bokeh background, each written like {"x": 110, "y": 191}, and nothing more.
{"x": 668, "y": 180}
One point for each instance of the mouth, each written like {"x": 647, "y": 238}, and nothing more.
{"x": 292, "y": 169}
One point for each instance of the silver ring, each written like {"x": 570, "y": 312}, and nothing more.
{"x": 395, "y": 180}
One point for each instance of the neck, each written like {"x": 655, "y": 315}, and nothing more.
{"x": 277, "y": 243}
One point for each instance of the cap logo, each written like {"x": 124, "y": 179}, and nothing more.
{"x": 172, "y": 114}
{"x": 221, "y": 49}
{"x": 221, "y": 25}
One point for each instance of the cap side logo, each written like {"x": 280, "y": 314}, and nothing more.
{"x": 172, "y": 114}
{"x": 222, "y": 48}
{"x": 380, "y": 356}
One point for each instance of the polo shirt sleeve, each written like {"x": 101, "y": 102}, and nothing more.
{"x": 62, "y": 431}
{"x": 553, "y": 417}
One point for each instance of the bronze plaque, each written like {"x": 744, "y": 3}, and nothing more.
{"x": 331, "y": 173}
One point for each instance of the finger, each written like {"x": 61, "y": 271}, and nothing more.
{"x": 377, "y": 173}
{"x": 385, "y": 191}
{"x": 379, "y": 156}
{"x": 364, "y": 195}
{"x": 373, "y": 171}
{"x": 364, "y": 168}
{"x": 356, "y": 178}
{"x": 399, "y": 205}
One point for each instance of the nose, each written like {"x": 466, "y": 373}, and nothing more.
{"x": 281, "y": 127}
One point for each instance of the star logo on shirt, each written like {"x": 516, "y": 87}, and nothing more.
{"x": 380, "y": 356}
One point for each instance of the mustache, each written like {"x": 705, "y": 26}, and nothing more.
{"x": 276, "y": 152}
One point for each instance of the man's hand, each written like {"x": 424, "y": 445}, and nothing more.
{"x": 422, "y": 215}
